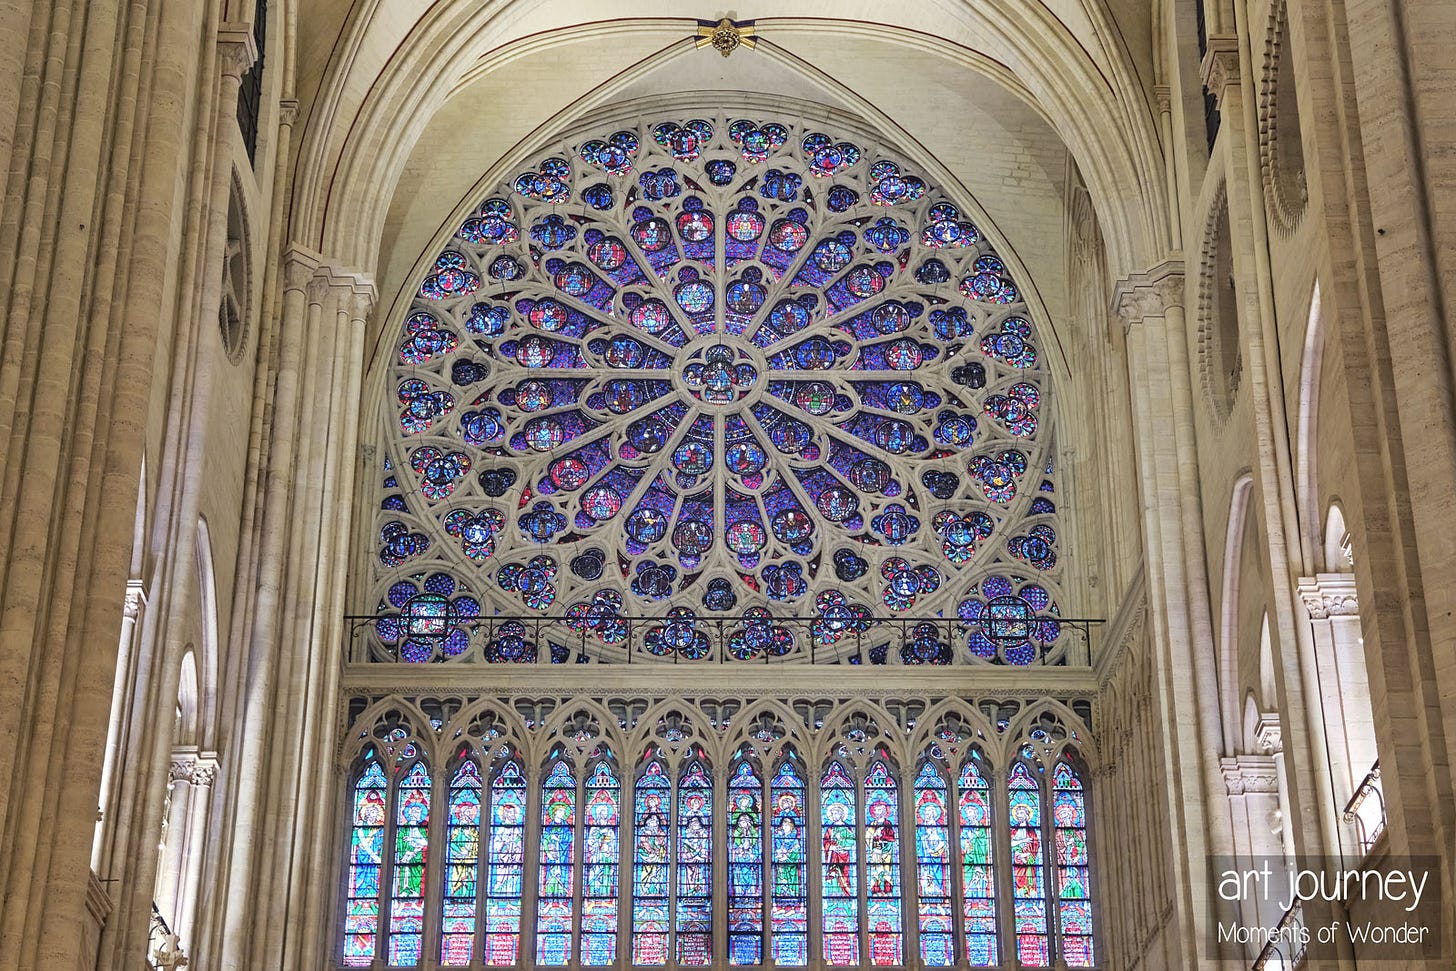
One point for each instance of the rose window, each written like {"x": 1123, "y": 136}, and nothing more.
{"x": 732, "y": 368}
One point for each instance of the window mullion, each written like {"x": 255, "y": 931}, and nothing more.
{"x": 531, "y": 864}
{"x": 956, "y": 885}
{"x": 907, "y": 826}
{"x": 1003, "y": 871}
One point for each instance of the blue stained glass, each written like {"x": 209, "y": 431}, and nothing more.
{"x": 601, "y": 828}
{"x": 882, "y": 859}
{"x": 407, "y": 889}
{"x": 462, "y": 859}
{"x": 789, "y": 915}
{"x": 977, "y": 867}
{"x": 554, "y": 901}
{"x": 840, "y": 862}
{"x": 933, "y": 868}
{"x": 651, "y": 860}
{"x": 366, "y": 857}
{"x": 1074, "y": 904}
{"x": 693, "y": 901}
{"x": 745, "y": 866}
{"x": 746, "y": 346}
{"x": 1028, "y": 870}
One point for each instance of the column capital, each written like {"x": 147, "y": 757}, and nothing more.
{"x": 1250, "y": 774}
{"x": 136, "y": 599}
{"x": 1220, "y": 68}
{"x": 181, "y": 770}
{"x": 236, "y": 48}
{"x": 1328, "y": 595}
{"x": 1148, "y": 294}
{"x": 300, "y": 264}
{"x": 204, "y": 770}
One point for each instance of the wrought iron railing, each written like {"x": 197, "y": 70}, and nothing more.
{"x": 1366, "y": 809}
{"x": 164, "y": 948}
{"x": 1288, "y": 944}
{"x": 679, "y": 637}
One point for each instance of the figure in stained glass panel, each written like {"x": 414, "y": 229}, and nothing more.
{"x": 1074, "y": 900}
{"x": 694, "y": 897}
{"x": 411, "y": 840}
{"x": 462, "y": 861}
{"x": 932, "y": 868}
{"x": 506, "y": 857}
{"x": 745, "y": 866}
{"x": 650, "y": 850}
{"x": 366, "y": 856}
{"x": 1028, "y": 882}
{"x": 789, "y": 915}
{"x": 977, "y": 869}
{"x": 558, "y": 867}
{"x": 840, "y": 862}
{"x": 599, "y": 878}
{"x": 882, "y": 858}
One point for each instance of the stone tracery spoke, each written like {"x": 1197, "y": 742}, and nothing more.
{"x": 724, "y": 365}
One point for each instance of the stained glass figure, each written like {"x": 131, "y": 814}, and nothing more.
{"x": 840, "y": 862}
{"x": 693, "y": 899}
{"x": 882, "y": 862}
{"x": 366, "y": 857}
{"x": 978, "y": 874}
{"x": 1074, "y": 897}
{"x": 554, "y": 901}
{"x": 789, "y": 914}
{"x": 933, "y": 868}
{"x": 462, "y": 866}
{"x": 651, "y": 838}
{"x": 745, "y": 864}
{"x": 751, "y": 347}
{"x": 505, "y": 860}
{"x": 407, "y": 889}
{"x": 599, "y": 864}
{"x": 1028, "y": 868}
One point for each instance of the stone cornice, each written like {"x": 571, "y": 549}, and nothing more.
{"x": 1148, "y": 294}
{"x": 1328, "y": 595}
{"x": 1250, "y": 774}
{"x": 237, "y": 50}
{"x": 1220, "y": 67}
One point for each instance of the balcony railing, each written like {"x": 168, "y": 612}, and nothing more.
{"x": 1366, "y": 809}
{"x": 1288, "y": 944}
{"x": 838, "y": 635}
{"x": 164, "y": 949}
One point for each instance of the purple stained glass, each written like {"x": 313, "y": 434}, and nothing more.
{"x": 744, "y": 346}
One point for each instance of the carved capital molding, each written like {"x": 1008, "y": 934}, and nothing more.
{"x": 1267, "y": 733}
{"x": 135, "y": 600}
{"x": 236, "y": 48}
{"x": 300, "y": 264}
{"x": 288, "y": 111}
{"x": 1220, "y": 67}
{"x": 1148, "y": 294}
{"x": 181, "y": 770}
{"x": 1163, "y": 97}
{"x": 204, "y": 771}
{"x": 1250, "y": 774}
{"x": 1328, "y": 595}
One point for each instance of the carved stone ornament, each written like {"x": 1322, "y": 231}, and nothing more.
{"x": 1250, "y": 774}
{"x": 236, "y": 48}
{"x": 1148, "y": 294}
{"x": 1329, "y": 595}
{"x": 725, "y": 36}
{"x": 1221, "y": 65}
{"x": 181, "y": 770}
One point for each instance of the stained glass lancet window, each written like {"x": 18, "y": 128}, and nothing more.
{"x": 554, "y": 900}
{"x": 882, "y": 860}
{"x": 599, "y": 864}
{"x": 366, "y": 857}
{"x": 407, "y": 892}
{"x": 1074, "y": 902}
{"x": 651, "y": 863}
{"x": 789, "y": 906}
{"x": 745, "y": 864}
{"x": 1028, "y": 869}
{"x": 933, "y": 868}
{"x": 505, "y": 861}
{"x": 706, "y": 362}
{"x": 462, "y": 866}
{"x": 693, "y": 898}
{"x": 840, "y": 861}
{"x": 978, "y": 873}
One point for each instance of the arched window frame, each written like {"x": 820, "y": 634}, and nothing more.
{"x": 409, "y": 870}
{"x": 504, "y": 910}
{"x": 359, "y": 861}
{"x": 939, "y": 947}
{"x": 650, "y": 852}
{"x": 553, "y": 923}
{"x": 748, "y": 842}
{"x": 999, "y": 863}
{"x": 693, "y": 927}
{"x": 789, "y": 947}
{"x": 461, "y": 861}
{"x": 600, "y": 910}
